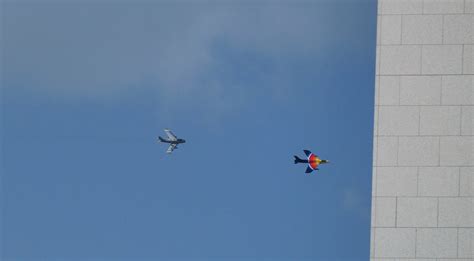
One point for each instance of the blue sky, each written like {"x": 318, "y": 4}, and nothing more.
{"x": 88, "y": 86}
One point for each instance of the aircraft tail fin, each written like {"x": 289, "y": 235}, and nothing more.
{"x": 161, "y": 139}
{"x": 297, "y": 159}
{"x": 309, "y": 170}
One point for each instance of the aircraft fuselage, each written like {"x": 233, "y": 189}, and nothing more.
{"x": 178, "y": 141}
{"x": 307, "y": 161}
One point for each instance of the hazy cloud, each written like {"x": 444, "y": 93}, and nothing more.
{"x": 186, "y": 52}
{"x": 96, "y": 46}
{"x": 353, "y": 201}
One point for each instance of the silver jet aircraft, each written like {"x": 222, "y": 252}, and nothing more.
{"x": 172, "y": 140}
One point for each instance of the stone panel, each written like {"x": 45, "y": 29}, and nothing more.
{"x": 396, "y": 181}
{"x": 440, "y": 120}
{"x": 467, "y": 118}
{"x": 468, "y": 60}
{"x": 457, "y": 90}
{"x": 394, "y": 242}
{"x": 399, "y": 60}
{"x": 436, "y": 242}
{"x": 400, "y": 6}
{"x": 418, "y": 151}
{"x": 384, "y": 215}
{"x": 469, "y": 7}
{"x": 467, "y": 182}
{"x": 389, "y": 89}
{"x": 391, "y": 29}
{"x": 441, "y": 59}
{"x": 438, "y": 181}
{"x": 466, "y": 243}
{"x": 443, "y": 6}
{"x": 396, "y": 120}
{"x": 457, "y": 151}
{"x": 417, "y": 212}
{"x": 456, "y": 212}
{"x": 420, "y": 90}
{"x": 422, "y": 29}
{"x": 387, "y": 151}
{"x": 458, "y": 29}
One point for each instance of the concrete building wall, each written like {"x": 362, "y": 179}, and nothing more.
{"x": 423, "y": 174}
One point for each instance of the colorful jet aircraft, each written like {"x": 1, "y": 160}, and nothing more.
{"x": 313, "y": 161}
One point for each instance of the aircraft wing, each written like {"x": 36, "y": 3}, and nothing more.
{"x": 171, "y": 148}
{"x": 170, "y": 135}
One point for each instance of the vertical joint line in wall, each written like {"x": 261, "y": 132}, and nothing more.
{"x": 442, "y": 29}
{"x": 457, "y": 242}
{"x": 419, "y": 119}
{"x": 401, "y": 28}
{"x": 396, "y": 211}
{"x": 421, "y": 59}
{"x": 439, "y": 151}
{"x": 416, "y": 237}
{"x": 462, "y": 59}
{"x": 417, "y": 181}
{"x": 459, "y": 181}
{"x": 398, "y": 147}
{"x": 460, "y": 120}
{"x": 399, "y": 88}
{"x": 441, "y": 91}
{"x": 437, "y": 212}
